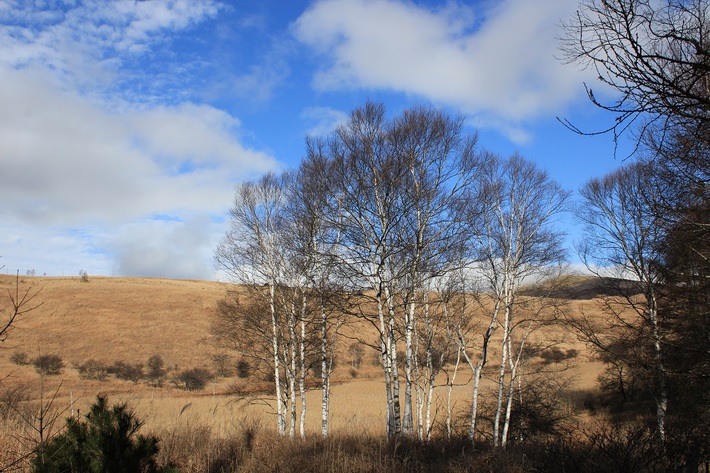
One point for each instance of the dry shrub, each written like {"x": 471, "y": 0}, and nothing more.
{"x": 20, "y": 358}
{"x": 12, "y": 400}
{"x": 127, "y": 371}
{"x": 49, "y": 365}
{"x": 243, "y": 368}
{"x": 557, "y": 355}
{"x": 93, "y": 369}
{"x": 156, "y": 370}
{"x": 193, "y": 379}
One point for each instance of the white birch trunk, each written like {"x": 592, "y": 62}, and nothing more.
{"x": 325, "y": 373}
{"x": 449, "y": 390}
{"x": 501, "y": 376}
{"x": 408, "y": 421}
{"x": 302, "y": 370}
{"x": 393, "y": 368}
{"x": 511, "y": 392}
{"x": 280, "y": 414}
{"x": 478, "y": 369}
{"x": 291, "y": 371}
{"x": 396, "y": 418}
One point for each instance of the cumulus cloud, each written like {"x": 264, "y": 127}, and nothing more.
{"x": 494, "y": 60}
{"x": 99, "y": 172}
{"x": 65, "y": 159}
{"x": 165, "y": 247}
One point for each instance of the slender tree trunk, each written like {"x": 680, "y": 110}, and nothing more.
{"x": 429, "y": 396}
{"x": 303, "y": 370}
{"x": 511, "y": 391}
{"x": 478, "y": 369}
{"x": 280, "y": 414}
{"x": 386, "y": 359}
{"x": 449, "y": 390}
{"x": 388, "y": 334}
{"x": 325, "y": 372}
{"x": 291, "y": 371}
{"x": 501, "y": 376}
{"x": 662, "y": 397}
{"x": 407, "y": 421}
{"x": 391, "y": 333}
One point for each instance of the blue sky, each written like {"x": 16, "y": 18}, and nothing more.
{"x": 125, "y": 125}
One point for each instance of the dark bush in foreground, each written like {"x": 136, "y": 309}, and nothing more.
{"x": 48, "y": 365}
{"x": 107, "y": 441}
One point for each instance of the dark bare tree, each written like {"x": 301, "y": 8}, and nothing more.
{"x": 21, "y": 303}
{"x": 622, "y": 245}
{"x": 656, "y": 55}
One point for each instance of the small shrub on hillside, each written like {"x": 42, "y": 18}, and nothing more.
{"x": 127, "y": 371}
{"x": 193, "y": 379}
{"x": 20, "y": 358}
{"x": 376, "y": 358}
{"x": 356, "y": 351}
{"x": 557, "y": 355}
{"x": 221, "y": 362}
{"x": 156, "y": 370}
{"x": 243, "y": 368}
{"x": 93, "y": 369}
{"x": 11, "y": 399}
{"x": 48, "y": 365}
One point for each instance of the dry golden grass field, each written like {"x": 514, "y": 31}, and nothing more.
{"x": 131, "y": 319}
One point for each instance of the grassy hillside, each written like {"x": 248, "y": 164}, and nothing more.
{"x": 132, "y": 319}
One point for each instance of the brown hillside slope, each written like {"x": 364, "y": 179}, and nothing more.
{"x": 108, "y": 319}
{"x": 131, "y": 319}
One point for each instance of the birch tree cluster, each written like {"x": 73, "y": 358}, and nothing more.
{"x": 403, "y": 224}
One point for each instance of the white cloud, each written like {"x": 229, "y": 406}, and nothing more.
{"x": 87, "y": 44}
{"x": 322, "y": 120}
{"x": 65, "y": 159}
{"x": 496, "y": 62}
{"x": 161, "y": 248}
{"x": 53, "y": 251}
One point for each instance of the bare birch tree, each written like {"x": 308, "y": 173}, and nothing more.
{"x": 516, "y": 241}
{"x": 363, "y": 179}
{"x": 440, "y": 164}
{"x": 395, "y": 184}
{"x": 313, "y": 240}
{"x": 656, "y": 55}
{"x": 251, "y": 253}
